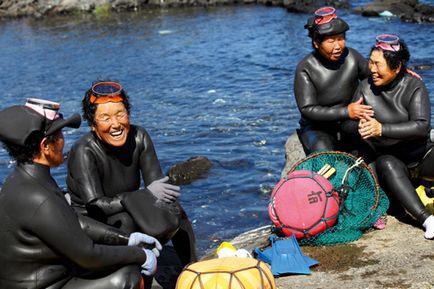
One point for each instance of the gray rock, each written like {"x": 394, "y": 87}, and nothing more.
{"x": 407, "y": 10}
{"x": 293, "y": 152}
{"x": 309, "y": 6}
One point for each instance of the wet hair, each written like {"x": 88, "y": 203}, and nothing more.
{"x": 394, "y": 59}
{"x": 31, "y": 148}
{"x": 89, "y": 108}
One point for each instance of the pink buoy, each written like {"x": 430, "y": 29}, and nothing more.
{"x": 304, "y": 203}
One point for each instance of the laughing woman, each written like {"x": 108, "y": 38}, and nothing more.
{"x": 107, "y": 165}
{"x": 398, "y": 134}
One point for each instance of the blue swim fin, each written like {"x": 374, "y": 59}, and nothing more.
{"x": 264, "y": 254}
{"x": 287, "y": 257}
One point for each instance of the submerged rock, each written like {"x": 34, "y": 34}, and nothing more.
{"x": 186, "y": 172}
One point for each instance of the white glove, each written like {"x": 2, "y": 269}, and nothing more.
{"x": 140, "y": 239}
{"x": 150, "y": 266}
{"x": 163, "y": 191}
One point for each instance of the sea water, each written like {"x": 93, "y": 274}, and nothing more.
{"x": 214, "y": 82}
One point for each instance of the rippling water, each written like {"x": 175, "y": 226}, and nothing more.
{"x": 203, "y": 81}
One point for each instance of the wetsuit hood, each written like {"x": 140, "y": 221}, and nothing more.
{"x": 334, "y": 27}
{"x": 18, "y": 122}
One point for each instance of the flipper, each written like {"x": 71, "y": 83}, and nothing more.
{"x": 264, "y": 254}
{"x": 287, "y": 257}
{"x": 309, "y": 261}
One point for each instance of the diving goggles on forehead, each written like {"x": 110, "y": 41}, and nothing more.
{"x": 46, "y": 108}
{"x": 106, "y": 91}
{"x": 389, "y": 42}
{"x": 325, "y": 15}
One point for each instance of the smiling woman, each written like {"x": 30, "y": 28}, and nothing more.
{"x": 396, "y": 138}
{"x": 105, "y": 168}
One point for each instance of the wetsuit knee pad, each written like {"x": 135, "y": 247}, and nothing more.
{"x": 122, "y": 221}
{"x": 387, "y": 165}
{"x": 127, "y": 277}
{"x": 314, "y": 141}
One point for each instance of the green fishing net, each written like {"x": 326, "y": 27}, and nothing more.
{"x": 362, "y": 201}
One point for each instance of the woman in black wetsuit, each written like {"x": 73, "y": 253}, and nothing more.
{"x": 398, "y": 134}
{"x": 325, "y": 81}
{"x": 106, "y": 165}
{"x": 41, "y": 242}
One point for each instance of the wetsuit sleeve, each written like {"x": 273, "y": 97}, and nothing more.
{"x": 351, "y": 126}
{"x": 101, "y": 233}
{"x": 85, "y": 179}
{"x": 362, "y": 65}
{"x": 418, "y": 125}
{"x": 56, "y": 224}
{"x": 149, "y": 163}
{"x": 306, "y": 97}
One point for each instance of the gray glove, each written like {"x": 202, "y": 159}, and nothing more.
{"x": 164, "y": 191}
{"x": 150, "y": 266}
{"x": 140, "y": 239}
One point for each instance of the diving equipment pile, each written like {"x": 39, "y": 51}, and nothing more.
{"x": 361, "y": 200}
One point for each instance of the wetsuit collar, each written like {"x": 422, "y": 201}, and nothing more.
{"x": 41, "y": 174}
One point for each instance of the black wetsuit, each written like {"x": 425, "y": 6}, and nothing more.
{"x": 98, "y": 174}
{"x": 403, "y": 108}
{"x": 43, "y": 245}
{"x": 323, "y": 89}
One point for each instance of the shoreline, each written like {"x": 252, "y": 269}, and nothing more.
{"x": 410, "y": 11}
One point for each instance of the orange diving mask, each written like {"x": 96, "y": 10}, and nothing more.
{"x": 106, "y": 91}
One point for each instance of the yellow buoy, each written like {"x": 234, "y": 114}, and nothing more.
{"x": 426, "y": 201}
{"x": 227, "y": 273}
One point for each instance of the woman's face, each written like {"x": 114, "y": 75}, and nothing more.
{"x": 55, "y": 150}
{"x": 331, "y": 47}
{"x": 112, "y": 123}
{"x": 380, "y": 71}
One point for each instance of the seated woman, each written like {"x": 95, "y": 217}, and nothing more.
{"x": 107, "y": 165}
{"x": 325, "y": 81}
{"x": 42, "y": 243}
{"x": 398, "y": 134}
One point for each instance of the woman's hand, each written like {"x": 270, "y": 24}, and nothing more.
{"x": 164, "y": 191}
{"x": 369, "y": 127}
{"x": 356, "y": 110}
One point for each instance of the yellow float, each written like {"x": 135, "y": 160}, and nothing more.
{"x": 227, "y": 273}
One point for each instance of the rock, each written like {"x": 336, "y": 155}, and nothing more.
{"x": 35, "y": 8}
{"x": 186, "y": 172}
{"x": 407, "y": 10}
{"x": 309, "y": 6}
{"x": 293, "y": 152}
{"x": 396, "y": 257}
